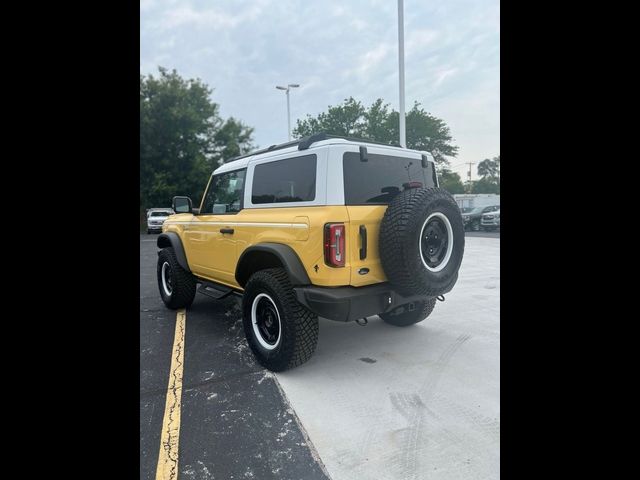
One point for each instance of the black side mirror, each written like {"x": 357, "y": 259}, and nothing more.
{"x": 182, "y": 205}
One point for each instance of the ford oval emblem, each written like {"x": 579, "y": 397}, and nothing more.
{"x": 363, "y": 271}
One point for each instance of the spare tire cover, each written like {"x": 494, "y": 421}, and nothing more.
{"x": 422, "y": 242}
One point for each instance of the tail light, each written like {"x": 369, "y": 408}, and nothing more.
{"x": 334, "y": 244}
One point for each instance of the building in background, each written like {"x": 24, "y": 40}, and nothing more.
{"x": 472, "y": 200}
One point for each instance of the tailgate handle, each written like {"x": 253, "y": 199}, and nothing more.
{"x": 363, "y": 242}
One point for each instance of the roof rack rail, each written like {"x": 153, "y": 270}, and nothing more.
{"x": 317, "y": 137}
{"x": 305, "y": 142}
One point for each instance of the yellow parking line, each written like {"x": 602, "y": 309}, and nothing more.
{"x": 170, "y": 436}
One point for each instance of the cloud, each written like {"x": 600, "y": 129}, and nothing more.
{"x": 334, "y": 49}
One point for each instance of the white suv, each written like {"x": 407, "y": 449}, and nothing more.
{"x": 156, "y": 218}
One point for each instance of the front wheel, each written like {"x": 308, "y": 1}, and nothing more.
{"x": 280, "y": 331}
{"x": 177, "y": 286}
{"x": 409, "y": 314}
{"x": 475, "y": 226}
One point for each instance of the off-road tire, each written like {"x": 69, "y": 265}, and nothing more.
{"x": 400, "y": 233}
{"x": 404, "y": 317}
{"x": 299, "y": 326}
{"x": 184, "y": 283}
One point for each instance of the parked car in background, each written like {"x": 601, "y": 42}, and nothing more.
{"x": 491, "y": 221}
{"x": 472, "y": 220}
{"x": 156, "y": 218}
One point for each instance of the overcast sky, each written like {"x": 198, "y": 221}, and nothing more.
{"x": 335, "y": 49}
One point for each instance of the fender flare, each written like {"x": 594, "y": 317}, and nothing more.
{"x": 284, "y": 253}
{"x": 172, "y": 239}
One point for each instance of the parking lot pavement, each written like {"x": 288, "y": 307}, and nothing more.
{"x": 381, "y": 402}
{"x": 235, "y": 421}
{"x": 377, "y": 402}
{"x": 483, "y": 234}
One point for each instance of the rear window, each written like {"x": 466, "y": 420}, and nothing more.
{"x": 290, "y": 180}
{"x": 160, "y": 214}
{"x": 380, "y": 179}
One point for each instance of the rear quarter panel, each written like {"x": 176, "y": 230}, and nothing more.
{"x": 301, "y": 228}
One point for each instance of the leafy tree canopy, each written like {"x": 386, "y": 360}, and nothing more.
{"x": 182, "y": 138}
{"x": 380, "y": 123}
{"x": 450, "y": 181}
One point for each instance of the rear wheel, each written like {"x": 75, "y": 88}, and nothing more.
{"x": 280, "y": 331}
{"x": 409, "y": 314}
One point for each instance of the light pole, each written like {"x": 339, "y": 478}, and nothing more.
{"x": 403, "y": 130}
{"x": 286, "y": 89}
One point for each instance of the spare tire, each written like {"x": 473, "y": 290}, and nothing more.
{"x": 422, "y": 242}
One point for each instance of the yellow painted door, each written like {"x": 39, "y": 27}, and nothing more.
{"x": 212, "y": 252}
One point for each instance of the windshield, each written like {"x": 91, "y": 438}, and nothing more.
{"x": 477, "y": 210}
{"x": 159, "y": 214}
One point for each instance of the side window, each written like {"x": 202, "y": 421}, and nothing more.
{"x": 290, "y": 180}
{"x": 225, "y": 193}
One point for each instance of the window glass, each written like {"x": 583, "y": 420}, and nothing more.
{"x": 225, "y": 193}
{"x": 381, "y": 178}
{"x": 290, "y": 180}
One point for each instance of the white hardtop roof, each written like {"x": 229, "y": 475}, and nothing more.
{"x": 243, "y": 162}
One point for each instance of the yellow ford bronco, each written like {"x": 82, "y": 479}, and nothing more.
{"x": 323, "y": 226}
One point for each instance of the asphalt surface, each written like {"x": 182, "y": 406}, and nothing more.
{"x": 374, "y": 402}
{"x": 483, "y": 234}
{"x": 422, "y": 402}
{"x": 236, "y": 423}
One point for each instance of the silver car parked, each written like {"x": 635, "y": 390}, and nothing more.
{"x": 491, "y": 221}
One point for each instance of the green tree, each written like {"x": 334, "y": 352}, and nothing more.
{"x": 450, "y": 181}
{"x": 182, "y": 138}
{"x": 380, "y": 123}
{"x": 490, "y": 168}
{"x": 233, "y": 138}
{"x": 485, "y": 185}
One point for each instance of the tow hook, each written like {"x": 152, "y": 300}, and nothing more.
{"x": 440, "y": 298}
{"x": 362, "y": 321}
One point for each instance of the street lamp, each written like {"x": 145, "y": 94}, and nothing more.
{"x": 286, "y": 89}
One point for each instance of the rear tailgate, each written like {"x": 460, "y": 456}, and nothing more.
{"x": 371, "y": 182}
{"x": 364, "y": 222}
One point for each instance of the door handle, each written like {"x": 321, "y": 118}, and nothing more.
{"x": 363, "y": 240}
{"x": 226, "y": 230}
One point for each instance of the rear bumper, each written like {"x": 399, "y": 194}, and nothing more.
{"x": 344, "y": 304}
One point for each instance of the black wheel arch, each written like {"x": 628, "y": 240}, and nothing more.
{"x": 172, "y": 239}
{"x": 271, "y": 255}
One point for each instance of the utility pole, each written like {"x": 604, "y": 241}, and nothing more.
{"x": 469, "y": 174}
{"x": 403, "y": 130}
